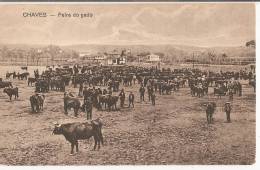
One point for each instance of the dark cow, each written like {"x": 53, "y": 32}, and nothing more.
{"x": 24, "y": 68}
{"x": 102, "y": 99}
{"x": 220, "y": 91}
{"x": 8, "y": 75}
{"x": 108, "y": 100}
{"x": 31, "y": 80}
{"x": 4, "y": 84}
{"x": 167, "y": 88}
{"x": 252, "y": 83}
{"x": 42, "y": 86}
{"x": 11, "y": 91}
{"x": 23, "y": 76}
{"x": 57, "y": 84}
{"x": 71, "y": 102}
{"x": 37, "y": 102}
{"x": 112, "y": 100}
{"x": 80, "y": 131}
{"x": 197, "y": 90}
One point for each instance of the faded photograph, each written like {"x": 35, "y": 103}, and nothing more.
{"x": 127, "y": 84}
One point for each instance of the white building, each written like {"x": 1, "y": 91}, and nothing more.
{"x": 153, "y": 58}
{"x": 115, "y": 58}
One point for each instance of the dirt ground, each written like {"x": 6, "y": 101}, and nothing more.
{"x": 174, "y": 131}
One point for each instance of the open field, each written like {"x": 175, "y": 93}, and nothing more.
{"x": 174, "y": 131}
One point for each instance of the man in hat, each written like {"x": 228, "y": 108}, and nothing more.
{"x": 86, "y": 93}
{"x": 131, "y": 99}
{"x": 88, "y": 107}
{"x": 80, "y": 89}
{"x": 228, "y": 109}
{"x": 142, "y": 91}
{"x": 104, "y": 91}
{"x": 230, "y": 93}
{"x": 153, "y": 98}
{"x": 122, "y": 98}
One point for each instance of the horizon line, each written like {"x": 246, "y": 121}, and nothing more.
{"x": 115, "y": 44}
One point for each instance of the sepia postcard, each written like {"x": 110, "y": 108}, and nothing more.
{"x": 127, "y": 84}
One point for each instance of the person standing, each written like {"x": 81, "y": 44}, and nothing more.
{"x": 88, "y": 108}
{"x": 134, "y": 78}
{"x": 122, "y": 98}
{"x": 230, "y": 93}
{"x": 239, "y": 89}
{"x": 228, "y": 109}
{"x": 80, "y": 89}
{"x": 86, "y": 93}
{"x": 109, "y": 91}
{"x": 153, "y": 98}
{"x": 131, "y": 99}
{"x": 149, "y": 90}
{"x": 142, "y": 91}
{"x": 104, "y": 91}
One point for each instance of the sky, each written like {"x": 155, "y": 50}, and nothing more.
{"x": 201, "y": 24}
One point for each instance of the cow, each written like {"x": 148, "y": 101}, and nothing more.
{"x": 220, "y": 91}
{"x": 23, "y": 76}
{"x": 4, "y": 84}
{"x": 80, "y": 131}
{"x": 8, "y": 75}
{"x": 41, "y": 85}
{"x": 37, "y": 102}
{"x": 108, "y": 100}
{"x": 71, "y": 102}
{"x": 252, "y": 83}
{"x": 57, "y": 84}
{"x": 197, "y": 90}
{"x": 112, "y": 100}
{"x": 24, "y": 68}
{"x": 11, "y": 91}
{"x": 167, "y": 88}
{"x": 31, "y": 81}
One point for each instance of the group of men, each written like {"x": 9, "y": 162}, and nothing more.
{"x": 151, "y": 96}
{"x": 131, "y": 98}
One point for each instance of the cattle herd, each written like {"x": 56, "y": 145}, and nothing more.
{"x": 100, "y": 82}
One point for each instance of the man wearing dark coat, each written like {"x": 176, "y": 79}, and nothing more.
{"x": 142, "y": 91}
{"x": 122, "y": 98}
{"x": 131, "y": 99}
{"x": 228, "y": 109}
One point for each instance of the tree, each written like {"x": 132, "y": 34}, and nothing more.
{"x": 250, "y": 43}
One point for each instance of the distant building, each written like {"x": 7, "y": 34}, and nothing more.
{"x": 115, "y": 58}
{"x": 84, "y": 54}
{"x": 241, "y": 60}
{"x": 153, "y": 58}
{"x": 86, "y": 57}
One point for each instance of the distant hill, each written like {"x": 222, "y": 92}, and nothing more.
{"x": 22, "y": 46}
{"x": 169, "y": 52}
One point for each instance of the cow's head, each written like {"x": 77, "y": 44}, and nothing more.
{"x": 5, "y": 90}
{"x": 57, "y": 129}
